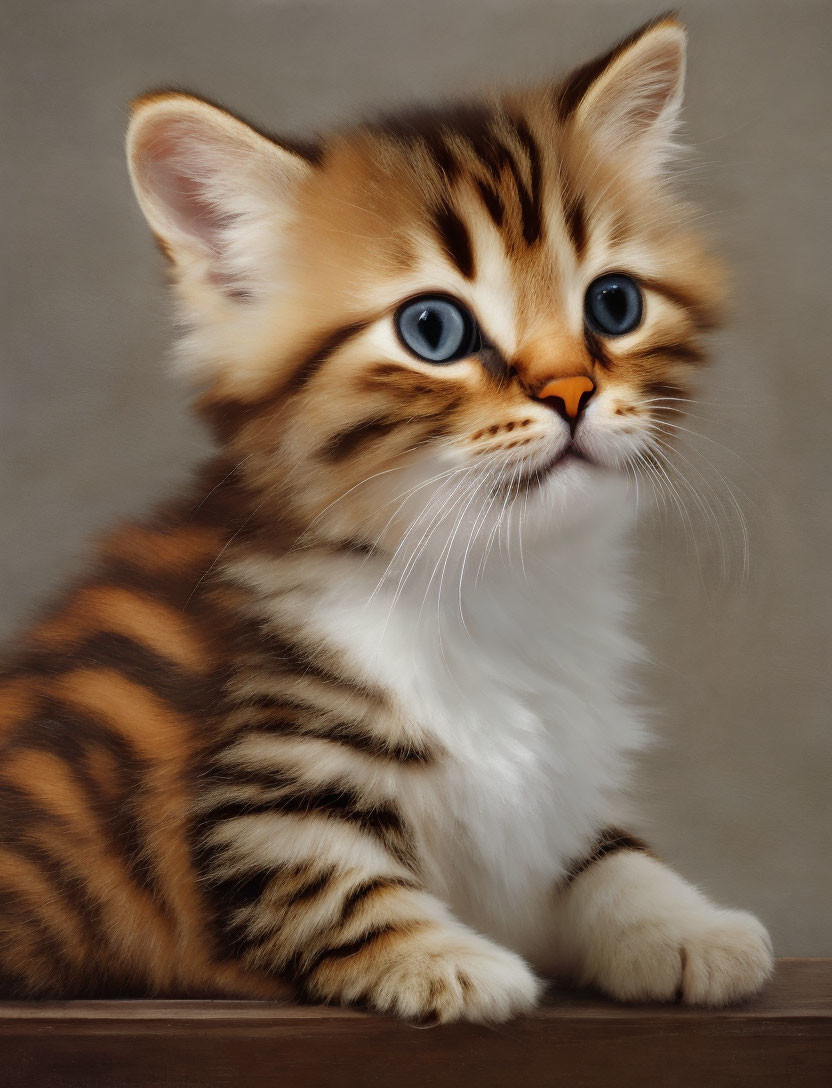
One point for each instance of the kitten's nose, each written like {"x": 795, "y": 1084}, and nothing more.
{"x": 568, "y": 396}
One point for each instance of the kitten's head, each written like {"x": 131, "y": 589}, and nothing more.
{"x": 450, "y": 311}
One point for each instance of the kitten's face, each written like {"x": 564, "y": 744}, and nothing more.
{"x": 447, "y": 318}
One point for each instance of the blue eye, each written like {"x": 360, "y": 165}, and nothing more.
{"x": 437, "y": 329}
{"x": 613, "y": 304}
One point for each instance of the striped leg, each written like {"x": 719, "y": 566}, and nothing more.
{"x": 357, "y": 927}
{"x": 316, "y": 881}
{"x": 640, "y": 932}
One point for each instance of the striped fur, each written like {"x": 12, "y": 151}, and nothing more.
{"x": 328, "y": 724}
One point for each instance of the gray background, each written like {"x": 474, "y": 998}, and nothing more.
{"x": 738, "y": 794}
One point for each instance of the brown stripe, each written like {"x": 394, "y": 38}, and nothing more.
{"x": 174, "y": 587}
{"x": 573, "y": 89}
{"x": 342, "y": 803}
{"x": 36, "y": 962}
{"x": 496, "y": 366}
{"x": 346, "y": 442}
{"x": 497, "y": 158}
{"x": 243, "y": 889}
{"x": 77, "y": 740}
{"x": 295, "y": 797}
{"x": 490, "y": 152}
{"x": 285, "y": 655}
{"x": 530, "y": 198}
{"x": 155, "y": 550}
{"x": 505, "y": 158}
{"x": 407, "y": 390}
{"x": 52, "y": 786}
{"x": 312, "y": 362}
{"x": 574, "y": 217}
{"x": 286, "y": 886}
{"x": 23, "y": 824}
{"x": 227, "y": 896}
{"x": 158, "y": 732}
{"x": 136, "y": 617}
{"x": 443, "y": 156}
{"x": 311, "y": 887}
{"x": 61, "y": 795}
{"x": 382, "y": 373}
{"x": 492, "y": 202}
{"x": 290, "y": 884}
{"x": 678, "y": 351}
{"x": 356, "y": 947}
{"x": 38, "y": 900}
{"x": 132, "y": 660}
{"x": 369, "y": 889}
{"x": 455, "y": 239}
{"x": 677, "y": 295}
{"x": 429, "y": 126}
{"x": 346, "y": 545}
{"x": 595, "y": 348}
{"x": 227, "y": 416}
{"x": 610, "y": 841}
{"x": 346, "y": 733}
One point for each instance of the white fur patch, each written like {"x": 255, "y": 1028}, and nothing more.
{"x": 523, "y": 688}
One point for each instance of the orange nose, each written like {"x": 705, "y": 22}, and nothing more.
{"x": 572, "y": 392}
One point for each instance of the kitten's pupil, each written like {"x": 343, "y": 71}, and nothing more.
{"x": 430, "y": 326}
{"x": 615, "y": 302}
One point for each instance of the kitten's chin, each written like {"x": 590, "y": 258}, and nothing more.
{"x": 574, "y": 488}
{"x": 570, "y": 458}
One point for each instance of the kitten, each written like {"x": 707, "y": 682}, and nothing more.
{"x": 351, "y": 719}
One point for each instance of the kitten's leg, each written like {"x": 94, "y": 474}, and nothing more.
{"x": 321, "y": 900}
{"x": 639, "y": 931}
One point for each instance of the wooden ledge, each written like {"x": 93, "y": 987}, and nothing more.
{"x": 782, "y": 1038}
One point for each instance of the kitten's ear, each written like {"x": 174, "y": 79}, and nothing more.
{"x": 628, "y": 101}
{"x": 214, "y": 191}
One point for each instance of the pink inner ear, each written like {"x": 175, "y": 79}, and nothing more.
{"x": 654, "y": 80}
{"x": 661, "y": 81}
{"x": 175, "y": 170}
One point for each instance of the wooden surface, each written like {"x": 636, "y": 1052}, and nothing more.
{"x": 783, "y": 1038}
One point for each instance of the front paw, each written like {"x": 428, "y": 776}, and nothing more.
{"x": 642, "y": 933}
{"x": 435, "y": 973}
{"x": 448, "y": 976}
{"x": 717, "y": 957}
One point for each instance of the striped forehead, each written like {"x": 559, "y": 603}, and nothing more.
{"x": 500, "y": 207}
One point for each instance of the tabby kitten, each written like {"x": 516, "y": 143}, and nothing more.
{"x": 351, "y": 719}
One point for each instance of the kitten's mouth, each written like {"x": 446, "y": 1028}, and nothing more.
{"x": 568, "y": 455}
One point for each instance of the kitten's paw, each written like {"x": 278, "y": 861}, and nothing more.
{"x": 716, "y": 958}
{"x": 434, "y": 972}
{"x": 728, "y": 960}
{"x": 446, "y": 976}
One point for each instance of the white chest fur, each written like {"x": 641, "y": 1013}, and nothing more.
{"x": 526, "y": 697}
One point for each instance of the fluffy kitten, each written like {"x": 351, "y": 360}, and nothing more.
{"x": 352, "y": 717}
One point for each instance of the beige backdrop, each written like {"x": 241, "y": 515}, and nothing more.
{"x": 739, "y": 793}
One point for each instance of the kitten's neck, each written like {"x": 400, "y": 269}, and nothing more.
{"x": 575, "y": 569}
